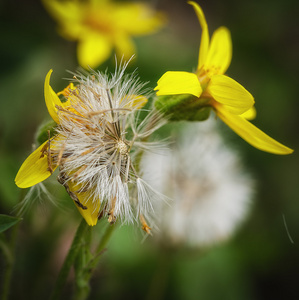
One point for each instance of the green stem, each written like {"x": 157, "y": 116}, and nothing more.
{"x": 69, "y": 260}
{"x": 5, "y": 248}
{"x": 105, "y": 239}
{"x": 82, "y": 284}
{"x": 10, "y": 249}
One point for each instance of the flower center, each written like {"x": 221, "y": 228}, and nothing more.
{"x": 97, "y": 22}
{"x": 122, "y": 147}
{"x": 204, "y": 74}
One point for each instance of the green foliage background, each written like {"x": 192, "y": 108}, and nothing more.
{"x": 260, "y": 262}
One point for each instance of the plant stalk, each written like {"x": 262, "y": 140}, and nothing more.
{"x": 69, "y": 260}
{"x": 82, "y": 285}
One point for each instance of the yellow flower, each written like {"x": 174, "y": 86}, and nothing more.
{"x": 232, "y": 103}
{"x": 41, "y": 163}
{"x": 101, "y": 25}
{"x": 96, "y": 158}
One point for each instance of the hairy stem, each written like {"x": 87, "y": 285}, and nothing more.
{"x": 82, "y": 284}
{"x": 69, "y": 260}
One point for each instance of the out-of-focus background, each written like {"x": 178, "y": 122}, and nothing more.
{"x": 261, "y": 261}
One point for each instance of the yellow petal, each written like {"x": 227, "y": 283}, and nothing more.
{"x": 63, "y": 11}
{"x": 69, "y": 15}
{"x": 229, "y": 92}
{"x": 220, "y": 51}
{"x": 204, "y": 42}
{"x": 124, "y": 46}
{"x": 136, "y": 18}
{"x": 249, "y": 114}
{"x": 51, "y": 98}
{"x": 175, "y": 83}
{"x": 134, "y": 102}
{"x": 34, "y": 169}
{"x": 251, "y": 134}
{"x": 93, "y": 50}
{"x": 91, "y": 213}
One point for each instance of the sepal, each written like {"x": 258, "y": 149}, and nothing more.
{"x": 183, "y": 107}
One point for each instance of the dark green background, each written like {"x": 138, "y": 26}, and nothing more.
{"x": 260, "y": 262}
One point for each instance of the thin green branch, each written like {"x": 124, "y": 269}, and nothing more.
{"x": 101, "y": 247}
{"x": 82, "y": 282}
{"x": 69, "y": 260}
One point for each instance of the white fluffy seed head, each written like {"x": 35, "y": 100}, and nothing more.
{"x": 99, "y": 139}
{"x": 211, "y": 192}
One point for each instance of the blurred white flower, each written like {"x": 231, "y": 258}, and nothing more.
{"x": 211, "y": 192}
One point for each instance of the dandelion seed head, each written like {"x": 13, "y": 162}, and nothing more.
{"x": 99, "y": 138}
{"x": 211, "y": 192}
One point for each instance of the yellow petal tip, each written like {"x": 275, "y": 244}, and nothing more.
{"x": 51, "y": 98}
{"x": 251, "y": 134}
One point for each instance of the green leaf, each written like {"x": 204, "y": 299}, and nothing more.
{"x": 183, "y": 107}
{"x": 7, "y": 221}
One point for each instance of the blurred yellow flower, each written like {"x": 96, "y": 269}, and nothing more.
{"x": 101, "y": 25}
{"x": 233, "y": 104}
